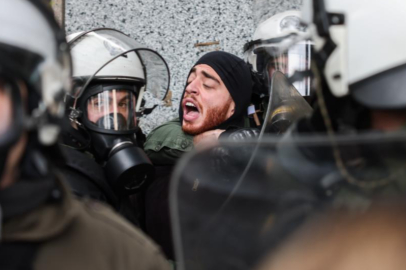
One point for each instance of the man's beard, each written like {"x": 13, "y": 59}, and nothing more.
{"x": 215, "y": 117}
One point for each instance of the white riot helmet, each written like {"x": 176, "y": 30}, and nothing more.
{"x": 361, "y": 49}
{"x": 33, "y": 55}
{"x": 109, "y": 64}
{"x": 35, "y": 73}
{"x": 264, "y": 54}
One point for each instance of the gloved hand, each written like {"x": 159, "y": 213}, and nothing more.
{"x": 240, "y": 134}
{"x": 229, "y": 159}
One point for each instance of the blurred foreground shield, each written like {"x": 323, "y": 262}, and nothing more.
{"x": 233, "y": 203}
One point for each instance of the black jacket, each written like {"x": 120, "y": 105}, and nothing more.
{"x": 87, "y": 179}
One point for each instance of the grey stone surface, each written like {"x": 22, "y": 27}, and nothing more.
{"x": 173, "y": 27}
{"x": 264, "y": 9}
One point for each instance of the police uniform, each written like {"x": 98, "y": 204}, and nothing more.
{"x": 87, "y": 178}
{"x": 64, "y": 233}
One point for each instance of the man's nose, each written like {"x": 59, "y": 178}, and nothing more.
{"x": 192, "y": 88}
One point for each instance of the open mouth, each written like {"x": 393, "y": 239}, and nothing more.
{"x": 190, "y": 110}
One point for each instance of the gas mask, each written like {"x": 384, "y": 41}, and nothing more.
{"x": 109, "y": 116}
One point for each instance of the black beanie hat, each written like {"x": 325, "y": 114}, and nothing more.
{"x": 236, "y": 76}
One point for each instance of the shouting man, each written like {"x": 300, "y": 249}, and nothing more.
{"x": 215, "y": 99}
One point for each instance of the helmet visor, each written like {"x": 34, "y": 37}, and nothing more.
{"x": 111, "y": 55}
{"x": 296, "y": 59}
{"x": 112, "y": 110}
{"x": 91, "y": 50}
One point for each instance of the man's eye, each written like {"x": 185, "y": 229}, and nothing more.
{"x": 97, "y": 103}
{"x": 123, "y": 105}
{"x": 207, "y": 86}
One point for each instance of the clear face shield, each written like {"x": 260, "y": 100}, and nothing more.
{"x": 296, "y": 59}
{"x": 113, "y": 109}
{"x": 284, "y": 78}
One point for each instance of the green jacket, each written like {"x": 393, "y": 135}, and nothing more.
{"x": 167, "y": 143}
{"x": 83, "y": 235}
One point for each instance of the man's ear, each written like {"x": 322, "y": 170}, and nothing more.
{"x": 231, "y": 110}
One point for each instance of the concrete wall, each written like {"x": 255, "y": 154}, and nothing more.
{"x": 173, "y": 27}
{"x": 263, "y": 9}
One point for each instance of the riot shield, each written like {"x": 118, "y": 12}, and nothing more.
{"x": 233, "y": 203}
{"x": 285, "y": 106}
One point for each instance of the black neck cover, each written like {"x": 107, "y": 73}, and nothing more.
{"x": 236, "y": 76}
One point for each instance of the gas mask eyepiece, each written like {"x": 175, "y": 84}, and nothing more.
{"x": 112, "y": 109}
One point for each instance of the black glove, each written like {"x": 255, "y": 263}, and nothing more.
{"x": 231, "y": 160}
{"x": 240, "y": 134}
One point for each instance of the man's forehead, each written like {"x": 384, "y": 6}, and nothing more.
{"x": 206, "y": 69}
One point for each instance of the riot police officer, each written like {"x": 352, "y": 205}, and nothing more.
{"x": 42, "y": 225}
{"x": 113, "y": 77}
{"x": 277, "y": 106}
